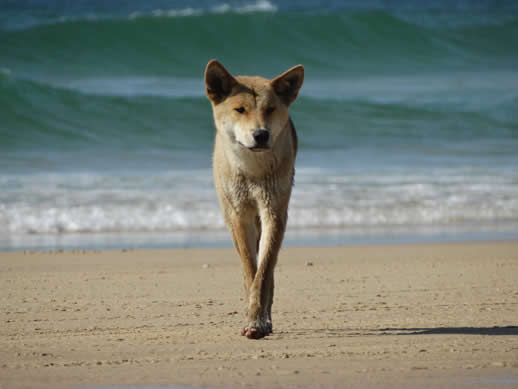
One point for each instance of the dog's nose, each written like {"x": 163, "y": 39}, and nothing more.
{"x": 261, "y": 137}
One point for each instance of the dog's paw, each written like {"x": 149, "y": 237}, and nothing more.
{"x": 257, "y": 329}
{"x": 269, "y": 327}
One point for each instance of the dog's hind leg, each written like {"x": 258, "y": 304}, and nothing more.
{"x": 269, "y": 287}
{"x": 268, "y": 284}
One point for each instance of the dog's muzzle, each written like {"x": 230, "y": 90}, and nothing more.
{"x": 262, "y": 140}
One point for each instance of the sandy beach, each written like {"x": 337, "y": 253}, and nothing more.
{"x": 405, "y": 316}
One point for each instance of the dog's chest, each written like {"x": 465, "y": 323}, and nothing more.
{"x": 244, "y": 192}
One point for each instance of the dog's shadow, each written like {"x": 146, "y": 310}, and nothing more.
{"x": 355, "y": 332}
{"x": 507, "y": 330}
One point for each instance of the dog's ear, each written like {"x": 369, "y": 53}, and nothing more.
{"x": 218, "y": 82}
{"x": 288, "y": 84}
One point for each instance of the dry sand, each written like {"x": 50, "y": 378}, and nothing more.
{"x": 408, "y": 316}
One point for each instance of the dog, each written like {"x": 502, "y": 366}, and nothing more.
{"x": 254, "y": 167}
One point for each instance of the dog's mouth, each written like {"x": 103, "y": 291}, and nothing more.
{"x": 258, "y": 149}
{"x": 255, "y": 149}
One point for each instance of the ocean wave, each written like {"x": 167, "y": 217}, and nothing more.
{"x": 343, "y": 42}
{"x": 186, "y": 201}
{"x": 66, "y": 119}
{"x": 174, "y": 114}
{"x": 23, "y": 21}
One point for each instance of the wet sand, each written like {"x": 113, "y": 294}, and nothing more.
{"x": 405, "y": 316}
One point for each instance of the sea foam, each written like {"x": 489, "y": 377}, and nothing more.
{"x": 258, "y": 6}
{"x": 186, "y": 201}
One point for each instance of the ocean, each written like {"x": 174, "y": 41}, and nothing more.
{"x": 407, "y": 121}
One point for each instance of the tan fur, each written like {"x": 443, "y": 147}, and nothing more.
{"x": 254, "y": 183}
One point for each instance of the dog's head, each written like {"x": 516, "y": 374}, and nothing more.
{"x": 251, "y": 111}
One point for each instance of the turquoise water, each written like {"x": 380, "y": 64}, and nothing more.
{"x": 408, "y": 118}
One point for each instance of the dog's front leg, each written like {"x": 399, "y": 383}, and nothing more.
{"x": 261, "y": 291}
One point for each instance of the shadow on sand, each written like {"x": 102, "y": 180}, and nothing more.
{"x": 508, "y": 330}
{"x": 353, "y": 332}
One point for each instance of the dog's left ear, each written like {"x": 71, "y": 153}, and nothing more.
{"x": 288, "y": 84}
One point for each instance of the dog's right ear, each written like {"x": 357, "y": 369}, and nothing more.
{"x": 218, "y": 82}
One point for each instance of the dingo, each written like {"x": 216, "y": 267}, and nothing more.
{"x": 254, "y": 166}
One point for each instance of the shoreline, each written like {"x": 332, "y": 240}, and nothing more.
{"x": 375, "y": 316}
{"x": 328, "y": 237}
{"x": 86, "y": 250}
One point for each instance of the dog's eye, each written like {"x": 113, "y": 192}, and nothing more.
{"x": 270, "y": 110}
{"x": 240, "y": 110}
